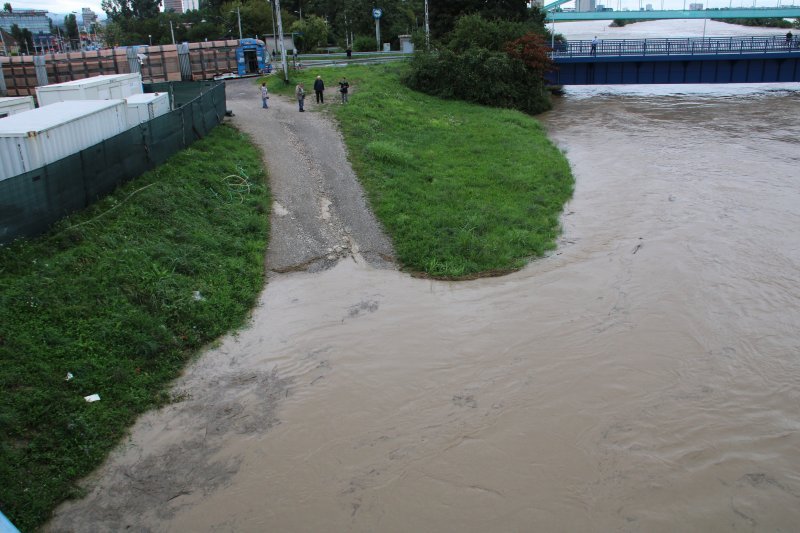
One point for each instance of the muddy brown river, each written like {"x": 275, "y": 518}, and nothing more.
{"x": 644, "y": 377}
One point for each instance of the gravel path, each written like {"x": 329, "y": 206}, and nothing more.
{"x": 319, "y": 211}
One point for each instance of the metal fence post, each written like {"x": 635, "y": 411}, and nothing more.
{"x": 3, "y": 88}
{"x": 183, "y": 62}
{"x": 41, "y": 70}
{"x": 133, "y": 59}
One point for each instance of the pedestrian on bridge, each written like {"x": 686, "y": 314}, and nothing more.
{"x": 789, "y": 39}
{"x": 594, "y": 45}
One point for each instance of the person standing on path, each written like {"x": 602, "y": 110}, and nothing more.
{"x": 319, "y": 86}
{"x": 264, "y": 96}
{"x": 594, "y": 45}
{"x": 343, "y": 87}
{"x": 301, "y": 95}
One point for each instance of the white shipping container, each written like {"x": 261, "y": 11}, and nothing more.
{"x": 34, "y": 138}
{"x": 11, "y": 105}
{"x": 147, "y": 106}
{"x": 105, "y": 87}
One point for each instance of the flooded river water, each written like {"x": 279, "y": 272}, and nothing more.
{"x": 645, "y": 377}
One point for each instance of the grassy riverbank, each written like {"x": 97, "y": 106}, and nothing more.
{"x": 462, "y": 190}
{"x": 113, "y": 302}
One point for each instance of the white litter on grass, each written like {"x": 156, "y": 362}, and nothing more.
{"x": 197, "y": 296}
{"x": 69, "y": 376}
{"x": 92, "y": 398}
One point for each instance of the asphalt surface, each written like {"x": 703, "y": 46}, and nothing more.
{"x": 320, "y": 214}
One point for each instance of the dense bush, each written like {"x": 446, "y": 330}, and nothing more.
{"x": 365, "y": 43}
{"x": 474, "y": 64}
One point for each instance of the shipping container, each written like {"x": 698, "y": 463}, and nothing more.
{"x": 32, "y": 139}
{"x": 105, "y": 87}
{"x": 11, "y": 105}
{"x": 147, "y": 106}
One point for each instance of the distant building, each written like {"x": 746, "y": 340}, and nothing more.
{"x": 89, "y": 17}
{"x": 34, "y": 20}
{"x": 696, "y": 7}
{"x": 194, "y": 5}
{"x": 648, "y": 7}
{"x": 176, "y": 6}
{"x": 583, "y": 6}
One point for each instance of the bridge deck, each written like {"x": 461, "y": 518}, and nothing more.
{"x": 678, "y": 46}
{"x": 685, "y": 60}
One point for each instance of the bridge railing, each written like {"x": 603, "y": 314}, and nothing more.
{"x": 677, "y": 46}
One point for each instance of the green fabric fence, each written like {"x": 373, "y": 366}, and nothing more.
{"x": 31, "y": 202}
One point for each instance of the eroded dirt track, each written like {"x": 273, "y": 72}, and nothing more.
{"x": 319, "y": 213}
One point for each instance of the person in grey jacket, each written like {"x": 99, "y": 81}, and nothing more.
{"x": 319, "y": 87}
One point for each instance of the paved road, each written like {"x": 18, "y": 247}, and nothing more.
{"x": 319, "y": 213}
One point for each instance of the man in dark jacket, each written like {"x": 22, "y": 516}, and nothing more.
{"x": 319, "y": 86}
{"x": 343, "y": 87}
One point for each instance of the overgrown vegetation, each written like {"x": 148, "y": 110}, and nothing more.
{"x": 312, "y": 23}
{"x": 462, "y": 190}
{"x": 490, "y": 62}
{"x": 113, "y": 302}
{"x": 619, "y": 23}
{"x": 766, "y": 23}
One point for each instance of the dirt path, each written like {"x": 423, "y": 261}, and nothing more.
{"x": 319, "y": 217}
{"x": 319, "y": 211}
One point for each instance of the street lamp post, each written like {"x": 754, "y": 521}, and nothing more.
{"x": 150, "y": 37}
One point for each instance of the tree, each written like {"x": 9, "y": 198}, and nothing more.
{"x": 71, "y": 27}
{"x": 7, "y": 7}
{"x": 314, "y": 31}
{"x": 443, "y": 15}
{"x": 128, "y": 9}
{"x": 23, "y": 36}
{"x": 113, "y": 34}
{"x": 533, "y": 51}
{"x": 498, "y": 63}
{"x": 475, "y": 30}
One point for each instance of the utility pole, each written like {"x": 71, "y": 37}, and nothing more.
{"x": 274, "y": 35}
{"x": 346, "y": 34}
{"x": 283, "y": 46}
{"x": 172, "y": 32}
{"x": 239, "y": 16}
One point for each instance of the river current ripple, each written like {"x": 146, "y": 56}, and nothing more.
{"x": 644, "y": 377}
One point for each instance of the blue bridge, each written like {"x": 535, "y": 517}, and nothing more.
{"x": 762, "y": 59}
